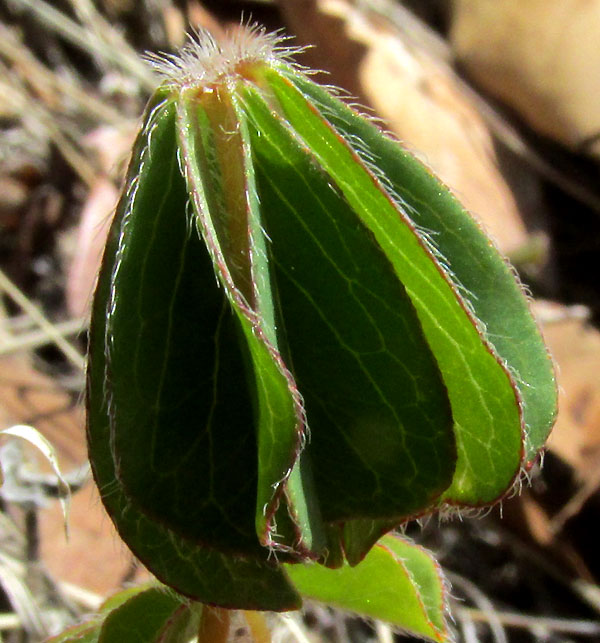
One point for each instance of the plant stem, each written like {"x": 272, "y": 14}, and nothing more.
{"x": 214, "y": 625}
{"x": 258, "y": 627}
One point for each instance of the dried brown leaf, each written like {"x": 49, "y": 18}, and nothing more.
{"x": 542, "y": 58}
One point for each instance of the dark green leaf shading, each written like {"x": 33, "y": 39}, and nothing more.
{"x": 83, "y": 633}
{"x": 397, "y": 582}
{"x": 182, "y": 425}
{"x": 358, "y": 536}
{"x": 196, "y": 571}
{"x": 220, "y": 178}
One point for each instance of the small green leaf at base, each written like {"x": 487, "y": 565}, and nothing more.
{"x": 141, "y": 618}
{"x": 397, "y": 582}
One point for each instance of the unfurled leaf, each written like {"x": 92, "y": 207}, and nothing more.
{"x": 299, "y": 341}
{"x": 397, "y": 582}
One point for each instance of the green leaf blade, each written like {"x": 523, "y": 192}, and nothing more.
{"x": 489, "y": 284}
{"x": 397, "y": 582}
{"x": 182, "y": 430}
{"x": 380, "y": 426}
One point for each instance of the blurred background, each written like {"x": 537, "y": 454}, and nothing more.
{"x": 501, "y": 98}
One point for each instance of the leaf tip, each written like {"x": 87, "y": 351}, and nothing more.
{"x": 204, "y": 60}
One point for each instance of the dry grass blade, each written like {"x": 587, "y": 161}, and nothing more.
{"x": 384, "y": 632}
{"x": 36, "y": 110}
{"x": 113, "y": 40}
{"x": 70, "y": 352}
{"x": 12, "y": 580}
{"x": 36, "y": 439}
{"x": 54, "y": 20}
{"x": 90, "y": 601}
{"x": 12, "y": 343}
{"x": 484, "y": 604}
{"x": 44, "y": 81}
{"x": 290, "y": 626}
{"x": 541, "y": 625}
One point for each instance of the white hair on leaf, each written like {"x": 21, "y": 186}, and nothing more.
{"x": 204, "y": 60}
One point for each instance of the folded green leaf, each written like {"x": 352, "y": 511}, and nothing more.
{"x": 381, "y": 441}
{"x": 299, "y": 341}
{"x": 397, "y": 582}
{"x": 486, "y": 402}
{"x": 220, "y": 175}
{"x": 487, "y": 283}
{"x": 198, "y": 571}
